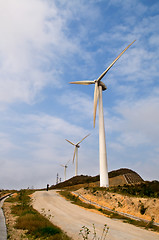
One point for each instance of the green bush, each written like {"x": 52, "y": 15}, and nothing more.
{"x": 50, "y": 230}
{"x": 145, "y": 189}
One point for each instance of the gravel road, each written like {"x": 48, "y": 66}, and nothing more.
{"x": 71, "y": 218}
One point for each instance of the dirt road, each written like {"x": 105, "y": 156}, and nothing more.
{"x": 71, "y": 218}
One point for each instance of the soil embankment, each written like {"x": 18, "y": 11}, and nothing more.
{"x": 145, "y": 208}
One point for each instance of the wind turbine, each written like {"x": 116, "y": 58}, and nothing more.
{"x": 76, "y": 153}
{"x": 99, "y": 87}
{"x": 65, "y": 166}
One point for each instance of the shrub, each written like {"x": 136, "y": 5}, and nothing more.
{"x": 84, "y": 232}
{"x": 146, "y": 189}
{"x": 120, "y": 204}
{"x": 142, "y": 209}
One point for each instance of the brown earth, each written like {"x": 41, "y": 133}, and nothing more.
{"x": 126, "y": 204}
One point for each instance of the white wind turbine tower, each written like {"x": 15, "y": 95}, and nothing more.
{"x": 99, "y": 87}
{"x": 65, "y": 166}
{"x": 76, "y": 153}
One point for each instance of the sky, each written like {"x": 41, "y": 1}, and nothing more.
{"x": 46, "y": 44}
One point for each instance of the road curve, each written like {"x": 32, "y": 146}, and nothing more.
{"x": 71, "y": 218}
{"x": 3, "y": 229}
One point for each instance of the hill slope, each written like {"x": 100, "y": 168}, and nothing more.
{"x": 117, "y": 177}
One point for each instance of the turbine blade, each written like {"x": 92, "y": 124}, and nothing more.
{"x": 96, "y": 94}
{"x": 103, "y": 74}
{"x": 83, "y": 139}
{"x": 62, "y": 165}
{"x": 70, "y": 142}
{"x": 87, "y": 82}
{"x": 74, "y": 153}
{"x": 67, "y": 162}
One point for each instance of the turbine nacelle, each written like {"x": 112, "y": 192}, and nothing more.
{"x": 104, "y": 87}
{"x": 100, "y": 83}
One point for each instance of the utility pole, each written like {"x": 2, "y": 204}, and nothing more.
{"x": 57, "y": 179}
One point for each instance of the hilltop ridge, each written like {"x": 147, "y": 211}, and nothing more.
{"x": 116, "y": 177}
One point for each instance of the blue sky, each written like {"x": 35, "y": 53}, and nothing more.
{"x": 44, "y": 45}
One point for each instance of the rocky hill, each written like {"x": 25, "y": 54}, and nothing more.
{"x": 117, "y": 177}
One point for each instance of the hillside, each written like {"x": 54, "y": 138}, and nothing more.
{"x": 117, "y": 177}
{"x": 134, "y": 203}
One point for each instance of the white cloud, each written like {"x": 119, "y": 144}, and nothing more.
{"x": 78, "y": 103}
{"x": 32, "y": 34}
{"x": 136, "y": 124}
{"x": 141, "y": 117}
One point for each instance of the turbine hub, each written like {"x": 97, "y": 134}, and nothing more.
{"x": 77, "y": 146}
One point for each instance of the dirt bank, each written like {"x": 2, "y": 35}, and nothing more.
{"x": 146, "y": 208}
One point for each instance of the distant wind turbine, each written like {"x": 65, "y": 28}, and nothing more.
{"x": 99, "y": 87}
{"x": 76, "y": 153}
{"x": 65, "y": 166}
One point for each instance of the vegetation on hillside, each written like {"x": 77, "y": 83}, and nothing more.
{"x": 123, "y": 171}
{"x": 145, "y": 189}
{"x": 2, "y": 193}
{"x": 82, "y": 179}
{"x": 5, "y": 192}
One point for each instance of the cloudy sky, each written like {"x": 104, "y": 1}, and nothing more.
{"x": 44, "y": 45}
